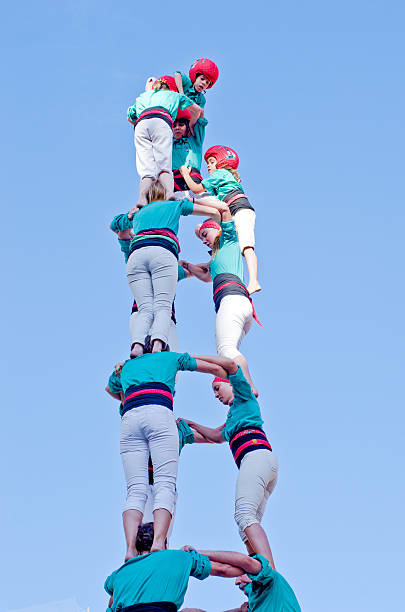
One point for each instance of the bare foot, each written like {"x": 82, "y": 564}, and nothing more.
{"x": 136, "y": 350}
{"x": 157, "y": 546}
{"x": 157, "y": 346}
{"x": 253, "y": 287}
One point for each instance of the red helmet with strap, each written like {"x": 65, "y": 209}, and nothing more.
{"x": 225, "y": 156}
{"x": 169, "y": 80}
{"x": 206, "y": 67}
{"x": 183, "y": 114}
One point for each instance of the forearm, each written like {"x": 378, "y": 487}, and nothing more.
{"x": 207, "y": 211}
{"x": 228, "y": 364}
{"x": 210, "y": 368}
{"x": 191, "y": 184}
{"x": 116, "y": 396}
{"x": 179, "y": 82}
{"x": 195, "y": 112}
{"x": 198, "y": 272}
{"x": 236, "y": 559}
{"x": 225, "y": 570}
{"x": 208, "y": 433}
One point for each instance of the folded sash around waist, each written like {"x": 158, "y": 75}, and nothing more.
{"x": 247, "y": 440}
{"x": 153, "y": 112}
{"x": 156, "y": 237}
{"x": 234, "y": 196}
{"x": 158, "y": 606}
{"x": 230, "y": 284}
{"x": 179, "y": 182}
{"x": 147, "y": 394}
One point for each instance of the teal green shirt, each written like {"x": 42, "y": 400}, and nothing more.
{"x": 269, "y": 591}
{"x": 156, "y": 367}
{"x": 157, "y": 576}
{"x": 188, "y": 151}
{"x": 228, "y": 258}
{"x": 220, "y": 183}
{"x": 190, "y": 92}
{"x": 170, "y": 100}
{"x": 245, "y": 410}
{"x": 186, "y": 435}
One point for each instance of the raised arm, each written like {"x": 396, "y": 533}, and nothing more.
{"x": 179, "y": 82}
{"x": 210, "y": 368}
{"x": 228, "y": 364}
{"x": 235, "y": 559}
{"x": 191, "y": 184}
{"x": 202, "y": 210}
{"x": 116, "y": 396}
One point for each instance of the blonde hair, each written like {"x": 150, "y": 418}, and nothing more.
{"x": 160, "y": 85}
{"x": 235, "y": 174}
{"x": 217, "y": 243}
{"x": 156, "y": 192}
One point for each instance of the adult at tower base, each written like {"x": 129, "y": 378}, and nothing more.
{"x": 158, "y": 581}
{"x": 265, "y": 588}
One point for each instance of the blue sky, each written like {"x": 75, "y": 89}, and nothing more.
{"x": 312, "y": 96}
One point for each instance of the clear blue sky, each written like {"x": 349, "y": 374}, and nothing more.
{"x": 311, "y": 94}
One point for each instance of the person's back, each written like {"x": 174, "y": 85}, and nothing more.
{"x": 156, "y": 577}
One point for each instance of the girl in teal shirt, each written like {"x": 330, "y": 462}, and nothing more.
{"x": 231, "y": 298}
{"x": 152, "y": 267}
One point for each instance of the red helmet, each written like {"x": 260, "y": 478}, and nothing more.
{"x": 184, "y": 114}
{"x": 207, "y": 68}
{"x": 169, "y": 80}
{"x": 225, "y": 156}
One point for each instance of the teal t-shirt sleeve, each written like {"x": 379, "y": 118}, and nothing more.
{"x": 184, "y": 101}
{"x": 131, "y": 114}
{"x": 229, "y": 234}
{"x": 265, "y": 576}
{"x": 185, "y": 79}
{"x": 186, "y": 435}
{"x": 201, "y": 566}
{"x": 212, "y": 183}
{"x": 109, "y": 584}
{"x": 240, "y": 385}
{"x": 114, "y": 383}
{"x": 121, "y": 222}
{"x": 186, "y": 207}
{"x": 125, "y": 244}
{"x": 185, "y": 362}
{"x": 181, "y": 273}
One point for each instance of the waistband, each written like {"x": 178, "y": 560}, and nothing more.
{"x": 246, "y": 441}
{"x": 160, "y": 236}
{"x": 237, "y": 200}
{"x": 173, "y": 317}
{"x": 159, "y": 112}
{"x": 179, "y": 182}
{"x": 147, "y": 394}
{"x": 158, "y": 606}
{"x": 230, "y": 284}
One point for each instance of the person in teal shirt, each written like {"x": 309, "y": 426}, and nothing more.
{"x": 152, "y": 267}
{"x": 152, "y": 115}
{"x": 224, "y": 183}
{"x": 266, "y": 589}
{"x": 187, "y": 148}
{"x": 231, "y": 298}
{"x": 251, "y": 450}
{"x": 159, "y": 581}
{"x": 146, "y": 388}
{"x": 203, "y": 74}
{"x": 124, "y": 239}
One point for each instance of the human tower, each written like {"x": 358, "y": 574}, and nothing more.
{"x": 169, "y": 128}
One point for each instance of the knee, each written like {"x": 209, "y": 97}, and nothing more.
{"x": 226, "y": 348}
{"x": 245, "y": 515}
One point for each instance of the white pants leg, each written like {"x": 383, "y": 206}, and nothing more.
{"x": 150, "y": 429}
{"x": 172, "y": 337}
{"x": 245, "y": 220}
{"x": 153, "y": 143}
{"x": 152, "y": 277}
{"x": 234, "y": 319}
{"x": 256, "y": 480}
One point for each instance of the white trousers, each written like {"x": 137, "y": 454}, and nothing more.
{"x": 148, "y": 512}
{"x": 245, "y": 220}
{"x": 153, "y": 142}
{"x": 149, "y": 429}
{"x": 234, "y": 319}
{"x": 256, "y": 480}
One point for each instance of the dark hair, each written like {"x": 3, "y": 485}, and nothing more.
{"x": 144, "y": 537}
{"x": 186, "y": 122}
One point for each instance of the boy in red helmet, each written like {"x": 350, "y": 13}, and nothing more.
{"x": 224, "y": 183}
{"x": 152, "y": 115}
{"x": 202, "y": 75}
{"x": 187, "y": 148}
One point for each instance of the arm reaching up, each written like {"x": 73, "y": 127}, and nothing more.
{"x": 210, "y": 368}
{"x": 209, "y": 434}
{"x": 228, "y": 364}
